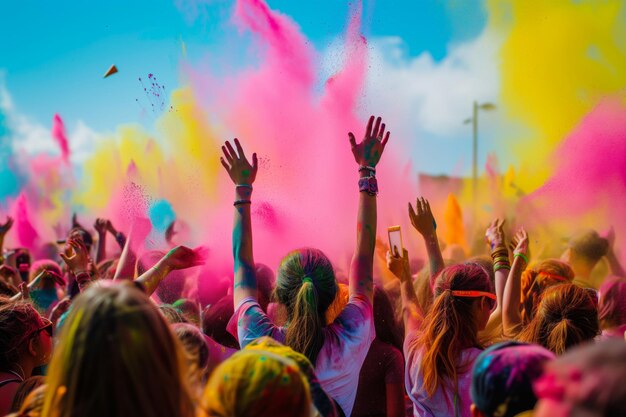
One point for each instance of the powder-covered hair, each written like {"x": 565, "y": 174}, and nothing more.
{"x": 39, "y": 266}
{"x": 450, "y": 325}
{"x": 257, "y": 383}
{"x": 567, "y": 316}
{"x": 538, "y": 278}
{"x": 306, "y": 286}
{"x": 117, "y": 357}
{"x": 612, "y": 303}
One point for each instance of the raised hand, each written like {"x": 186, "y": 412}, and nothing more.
{"x": 241, "y": 172}
{"x": 368, "y": 152}
{"x": 76, "y": 256}
{"x": 495, "y": 234}
{"x": 422, "y": 217}
{"x": 399, "y": 265}
{"x": 6, "y": 226}
{"x": 101, "y": 226}
{"x": 182, "y": 257}
{"x": 519, "y": 243}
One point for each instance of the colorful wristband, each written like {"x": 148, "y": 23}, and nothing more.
{"x": 521, "y": 255}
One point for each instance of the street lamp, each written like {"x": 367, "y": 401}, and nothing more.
{"x": 474, "y": 121}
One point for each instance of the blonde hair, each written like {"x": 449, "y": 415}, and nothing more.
{"x": 116, "y": 357}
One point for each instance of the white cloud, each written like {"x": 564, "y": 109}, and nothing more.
{"x": 28, "y": 137}
{"x": 434, "y": 96}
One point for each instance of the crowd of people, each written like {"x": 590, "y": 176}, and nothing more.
{"x": 88, "y": 333}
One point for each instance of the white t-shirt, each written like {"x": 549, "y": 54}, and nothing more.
{"x": 346, "y": 343}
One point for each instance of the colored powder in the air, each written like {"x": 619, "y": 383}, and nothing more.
{"x": 588, "y": 188}
{"x": 161, "y": 215}
{"x": 454, "y": 230}
{"x": 27, "y": 235}
{"x": 558, "y": 60}
{"x": 58, "y": 133}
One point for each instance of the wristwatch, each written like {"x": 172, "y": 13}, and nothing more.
{"x": 369, "y": 185}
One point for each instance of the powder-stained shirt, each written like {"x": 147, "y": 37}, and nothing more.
{"x": 346, "y": 343}
{"x": 442, "y": 402}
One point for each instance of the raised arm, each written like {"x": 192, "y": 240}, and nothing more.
{"x": 614, "y": 263}
{"x": 412, "y": 315}
{"x": 243, "y": 174}
{"x": 128, "y": 259}
{"x": 423, "y": 221}
{"x": 4, "y": 229}
{"x": 101, "y": 228}
{"x": 367, "y": 154}
{"x": 501, "y": 263}
{"x": 180, "y": 257}
{"x": 511, "y": 316}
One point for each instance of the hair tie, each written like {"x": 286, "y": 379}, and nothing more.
{"x": 307, "y": 279}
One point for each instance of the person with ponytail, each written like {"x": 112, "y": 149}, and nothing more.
{"x": 440, "y": 346}
{"x": 305, "y": 283}
{"x": 536, "y": 280}
{"x": 566, "y": 316}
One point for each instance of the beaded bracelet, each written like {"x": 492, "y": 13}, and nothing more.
{"x": 239, "y": 202}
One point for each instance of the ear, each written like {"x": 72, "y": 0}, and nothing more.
{"x": 33, "y": 346}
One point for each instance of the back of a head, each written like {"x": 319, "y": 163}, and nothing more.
{"x": 194, "y": 343}
{"x": 189, "y": 309}
{"x": 588, "y": 246}
{"x": 612, "y": 303}
{"x": 451, "y": 323}
{"x": 257, "y": 383}
{"x": 567, "y": 316}
{"x": 586, "y": 381}
{"x": 116, "y": 356}
{"x": 322, "y": 402}
{"x": 539, "y": 277}
{"x": 387, "y": 329}
{"x": 265, "y": 281}
{"x": 306, "y": 286}
{"x": 503, "y": 377}
{"x": 18, "y": 321}
{"x": 215, "y": 322}
{"x": 41, "y": 265}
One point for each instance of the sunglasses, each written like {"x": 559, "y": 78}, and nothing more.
{"x": 46, "y": 327}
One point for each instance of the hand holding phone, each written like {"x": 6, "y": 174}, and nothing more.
{"x": 395, "y": 240}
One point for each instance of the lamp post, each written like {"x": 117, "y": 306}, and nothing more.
{"x": 474, "y": 121}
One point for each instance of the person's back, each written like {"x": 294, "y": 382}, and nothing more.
{"x": 116, "y": 357}
{"x": 381, "y": 381}
{"x": 440, "y": 353}
{"x": 306, "y": 283}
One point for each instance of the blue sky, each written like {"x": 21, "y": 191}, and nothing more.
{"x": 53, "y": 54}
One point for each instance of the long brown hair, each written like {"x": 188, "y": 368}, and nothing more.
{"x": 538, "y": 278}
{"x": 116, "y": 357}
{"x": 450, "y": 325}
{"x": 306, "y": 286}
{"x": 567, "y": 316}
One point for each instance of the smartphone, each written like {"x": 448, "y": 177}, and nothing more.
{"x": 395, "y": 240}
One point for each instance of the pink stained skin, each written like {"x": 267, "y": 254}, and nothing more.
{"x": 58, "y": 133}
{"x": 590, "y": 175}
